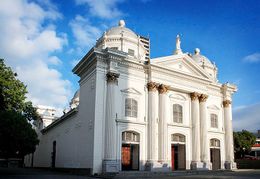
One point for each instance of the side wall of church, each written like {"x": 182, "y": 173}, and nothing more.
{"x": 76, "y": 130}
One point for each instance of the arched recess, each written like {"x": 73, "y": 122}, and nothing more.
{"x": 215, "y": 157}
{"x": 130, "y": 150}
{"x": 178, "y": 151}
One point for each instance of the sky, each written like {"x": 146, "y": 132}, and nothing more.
{"x": 42, "y": 40}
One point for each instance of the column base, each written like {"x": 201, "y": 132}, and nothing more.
{"x": 200, "y": 165}
{"x": 110, "y": 166}
{"x": 230, "y": 165}
{"x": 157, "y": 166}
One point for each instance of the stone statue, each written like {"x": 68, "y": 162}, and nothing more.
{"x": 178, "y": 42}
{"x": 178, "y": 45}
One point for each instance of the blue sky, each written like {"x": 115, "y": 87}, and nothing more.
{"x": 42, "y": 40}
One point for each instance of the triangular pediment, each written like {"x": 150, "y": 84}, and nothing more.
{"x": 131, "y": 91}
{"x": 181, "y": 63}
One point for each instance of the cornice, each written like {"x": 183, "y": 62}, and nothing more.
{"x": 130, "y": 122}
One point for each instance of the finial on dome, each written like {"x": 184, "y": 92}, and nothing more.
{"x": 197, "y": 51}
{"x": 178, "y": 45}
{"x": 121, "y": 23}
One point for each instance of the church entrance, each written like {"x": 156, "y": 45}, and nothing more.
{"x": 178, "y": 152}
{"x": 215, "y": 154}
{"x": 130, "y": 150}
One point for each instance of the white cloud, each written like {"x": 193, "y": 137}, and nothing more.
{"x": 253, "y": 58}
{"x": 54, "y": 60}
{"x": 74, "y": 62}
{"x": 106, "y": 9}
{"x": 28, "y": 41}
{"x": 246, "y": 117}
{"x": 84, "y": 32}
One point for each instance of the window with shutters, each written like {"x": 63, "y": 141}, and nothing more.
{"x": 131, "y": 107}
{"x": 177, "y": 113}
{"x": 214, "y": 120}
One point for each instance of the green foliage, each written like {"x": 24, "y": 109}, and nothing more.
{"x": 17, "y": 138}
{"x": 13, "y": 94}
{"x": 243, "y": 141}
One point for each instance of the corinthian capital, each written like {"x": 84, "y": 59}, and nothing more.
{"x": 226, "y": 103}
{"x": 112, "y": 77}
{"x": 163, "y": 88}
{"x": 194, "y": 96}
{"x": 152, "y": 86}
{"x": 203, "y": 98}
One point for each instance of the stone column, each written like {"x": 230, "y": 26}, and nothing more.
{"x": 110, "y": 163}
{"x": 195, "y": 117}
{"x": 163, "y": 128}
{"x": 229, "y": 163}
{"x": 204, "y": 132}
{"x": 152, "y": 125}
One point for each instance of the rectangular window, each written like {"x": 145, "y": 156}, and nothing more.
{"x": 214, "y": 120}
{"x": 131, "y": 52}
{"x": 131, "y": 107}
{"x": 177, "y": 113}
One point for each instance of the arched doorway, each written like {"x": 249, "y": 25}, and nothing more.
{"x": 130, "y": 150}
{"x": 215, "y": 153}
{"x": 178, "y": 152}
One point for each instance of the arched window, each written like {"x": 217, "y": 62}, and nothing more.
{"x": 214, "y": 120}
{"x": 177, "y": 138}
{"x": 130, "y": 136}
{"x": 214, "y": 143}
{"x": 131, "y": 107}
{"x": 177, "y": 113}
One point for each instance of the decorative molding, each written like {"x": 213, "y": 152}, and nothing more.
{"x": 203, "y": 98}
{"x": 131, "y": 91}
{"x": 213, "y": 107}
{"x": 130, "y": 122}
{"x": 112, "y": 77}
{"x": 163, "y": 88}
{"x": 152, "y": 86}
{"x": 194, "y": 96}
{"x": 226, "y": 103}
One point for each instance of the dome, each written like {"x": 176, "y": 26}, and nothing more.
{"x": 123, "y": 39}
{"x": 205, "y": 63}
{"x": 201, "y": 59}
{"x": 121, "y": 29}
{"x": 75, "y": 100}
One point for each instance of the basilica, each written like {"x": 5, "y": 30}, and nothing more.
{"x": 132, "y": 112}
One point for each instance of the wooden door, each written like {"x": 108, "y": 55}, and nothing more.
{"x": 178, "y": 153}
{"x": 215, "y": 158}
{"x": 135, "y": 156}
{"x": 173, "y": 166}
{"x": 181, "y": 157}
{"x": 126, "y": 157}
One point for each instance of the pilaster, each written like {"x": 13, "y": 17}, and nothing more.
{"x": 229, "y": 163}
{"x": 110, "y": 163}
{"x": 195, "y": 117}
{"x": 163, "y": 129}
{"x": 204, "y": 133}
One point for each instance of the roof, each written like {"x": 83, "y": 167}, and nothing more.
{"x": 121, "y": 30}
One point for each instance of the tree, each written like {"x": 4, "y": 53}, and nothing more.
{"x": 17, "y": 138}
{"x": 243, "y": 141}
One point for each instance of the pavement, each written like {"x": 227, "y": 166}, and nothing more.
{"x": 33, "y": 173}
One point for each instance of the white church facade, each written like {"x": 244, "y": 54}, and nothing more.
{"x": 136, "y": 113}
